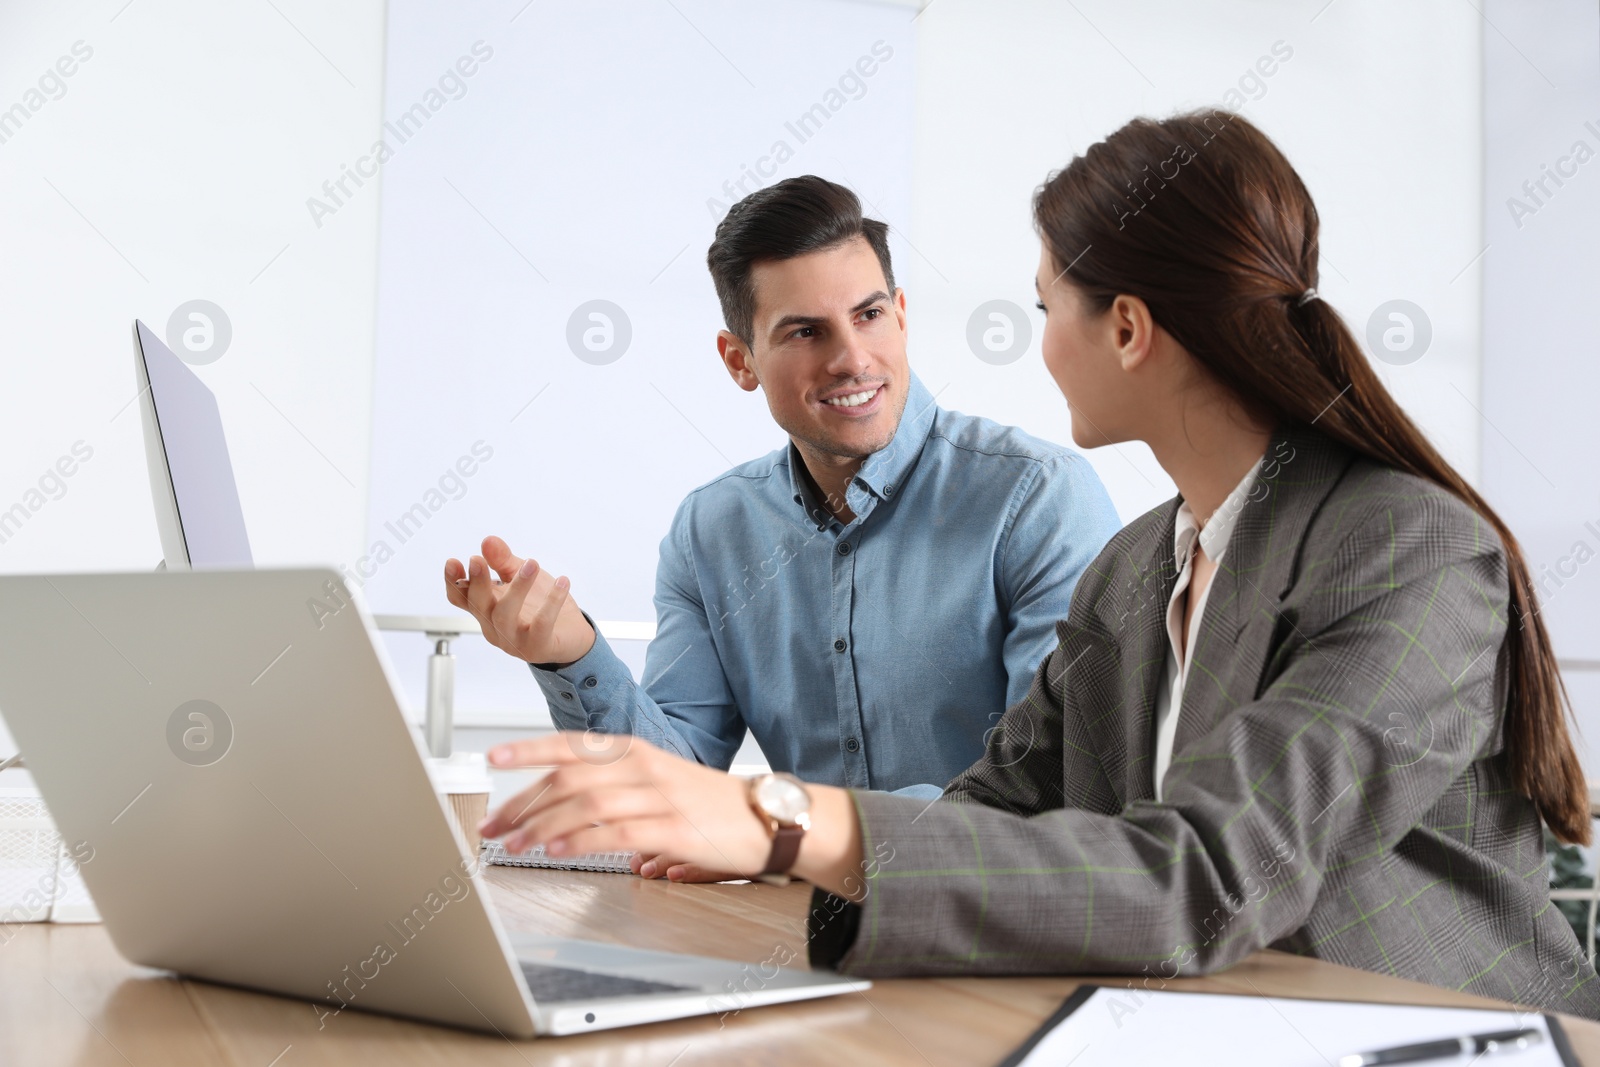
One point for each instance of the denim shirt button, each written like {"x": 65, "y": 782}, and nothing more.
{"x": 840, "y": 645}
{"x": 590, "y": 682}
{"x": 844, "y": 548}
{"x": 851, "y": 744}
{"x": 566, "y": 696}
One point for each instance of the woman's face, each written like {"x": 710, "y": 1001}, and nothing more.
{"x": 1080, "y": 353}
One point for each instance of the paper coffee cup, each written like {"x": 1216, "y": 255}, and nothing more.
{"x": 463, "y": 780}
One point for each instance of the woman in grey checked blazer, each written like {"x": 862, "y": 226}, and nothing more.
{"x": 1308, "y": 704}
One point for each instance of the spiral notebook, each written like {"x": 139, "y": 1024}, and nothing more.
{"x": 611, "y": 862}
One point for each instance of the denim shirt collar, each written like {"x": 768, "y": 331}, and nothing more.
{"x": 884, "y": 472}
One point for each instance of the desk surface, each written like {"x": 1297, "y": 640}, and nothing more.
{"x": 66, "y": 997}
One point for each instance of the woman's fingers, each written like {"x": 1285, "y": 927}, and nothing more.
{"x": 555, "y": 750}
{"x": 552, "y": 821}
{"x": 632, "y": 835}
{"x": 692, "y": 872}
{"x": 510, "y": 815}
{"x": 645, "y": 800}
{"x": 675, "y": 870}
{"x": 576, "y": 773}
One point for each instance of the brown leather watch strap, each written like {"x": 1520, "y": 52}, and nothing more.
{"x": 785, "y": 849}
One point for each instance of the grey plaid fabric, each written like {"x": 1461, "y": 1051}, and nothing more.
{"x": 1338, "y": 786}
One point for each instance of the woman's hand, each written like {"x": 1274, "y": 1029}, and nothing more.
{"x": 674, "y": 870}
{"x": 644, "y": 800}
{"x": 652, "y": 802}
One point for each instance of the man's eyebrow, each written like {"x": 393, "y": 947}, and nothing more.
{"x": 878, "y": 297}
{"x": 797, "y": 320}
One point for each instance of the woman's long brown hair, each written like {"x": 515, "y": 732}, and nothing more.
{"x": 1202, "y": 218}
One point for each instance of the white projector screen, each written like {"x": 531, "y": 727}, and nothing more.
{"x": 534, "y": 162}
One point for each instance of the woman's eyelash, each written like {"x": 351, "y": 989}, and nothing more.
{"x": 1040, "y": 305}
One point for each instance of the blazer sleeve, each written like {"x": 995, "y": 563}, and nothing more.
{"x": 1405, "y": 616}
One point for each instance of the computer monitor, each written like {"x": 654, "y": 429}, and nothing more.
{"x": 191, "y": 476}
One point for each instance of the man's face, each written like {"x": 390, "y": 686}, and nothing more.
{"x": 829, "y": 349}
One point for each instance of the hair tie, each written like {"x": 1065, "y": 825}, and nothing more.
{"x": 1306, "y": 298}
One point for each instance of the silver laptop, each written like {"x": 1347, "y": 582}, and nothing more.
{"x": 225, "y": 753}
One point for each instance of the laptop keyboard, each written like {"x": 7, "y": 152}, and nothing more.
{"x": 568, "y": 983}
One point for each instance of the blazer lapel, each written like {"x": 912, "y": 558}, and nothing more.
{"x": 1239, "y": 628}
{"x": 1135, "y": 617}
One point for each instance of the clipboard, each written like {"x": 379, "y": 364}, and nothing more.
{"x": 1126, "y": 1025}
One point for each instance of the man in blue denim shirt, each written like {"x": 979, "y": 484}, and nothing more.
{"x": 867, "y": 600}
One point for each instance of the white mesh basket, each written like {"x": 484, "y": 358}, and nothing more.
{"x": 39, "y": 878}
{"x": 30, "y": 851}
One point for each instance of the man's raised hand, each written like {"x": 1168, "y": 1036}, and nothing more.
{"x": 528, "y": 614}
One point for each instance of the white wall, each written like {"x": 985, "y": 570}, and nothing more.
{"x": 1540, "y": 437}
{"x": 176, "y": 166}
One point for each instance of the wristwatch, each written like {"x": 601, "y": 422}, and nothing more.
{"x": 782, "y": 804}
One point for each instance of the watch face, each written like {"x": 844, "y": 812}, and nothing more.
{"x": 782, "y": 798}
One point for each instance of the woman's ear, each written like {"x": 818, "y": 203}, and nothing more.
{"x": 1133, "y": 330}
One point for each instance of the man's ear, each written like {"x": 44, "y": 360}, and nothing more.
{"x": 737, "y": 358}
{"x": 1133, "y": 330}
{"x": 899, "y": 302}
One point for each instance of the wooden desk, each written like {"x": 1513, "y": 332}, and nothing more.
{"x": 66, "y": 997}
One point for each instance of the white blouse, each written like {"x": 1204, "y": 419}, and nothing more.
{"x": 1213, "y": 537}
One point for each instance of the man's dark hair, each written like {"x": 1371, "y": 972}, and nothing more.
{"x": 788, "y": 219}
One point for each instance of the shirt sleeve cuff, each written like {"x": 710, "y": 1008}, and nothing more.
{"x": 579, "y": 694}
{"x": 831, "y": 927}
